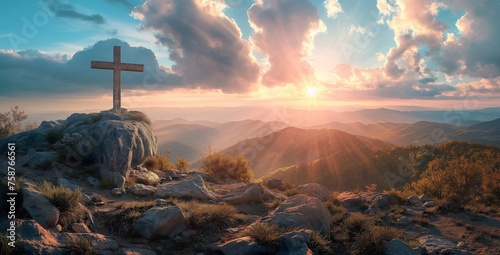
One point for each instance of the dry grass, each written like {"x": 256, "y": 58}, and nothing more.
{"x": 122, "y": 219}
{"x": 371, "y": 241}
{"x": 64, "y": 199}
{"x": 139, "y": 116}
{"x": 158, "y": 162}
{"x": 81, "y": 246}
{"x": 263, "y": 233}
{"x": 319, "y": 244}
{"x": 353, "y": 226}
{"x": 5, "y": 248}
{"x": 225, "y": 167}
{"x": 213, "y": 217}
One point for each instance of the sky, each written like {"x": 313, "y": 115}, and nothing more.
{"x": 325, "y": 54}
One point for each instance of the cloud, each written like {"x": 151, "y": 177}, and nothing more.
{"x": 33, "y": 72}
{"x": 372, "y": 82}
{"x": 205, "y": 45}
{"x": 332, "y": 8}
{"x": 68, "y": 11}
{"x": 284, "y": 30}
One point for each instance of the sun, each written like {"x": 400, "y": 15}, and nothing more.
{"x": 312, "y": 92}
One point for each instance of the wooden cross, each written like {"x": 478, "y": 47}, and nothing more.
{"x": 117, "y": 66}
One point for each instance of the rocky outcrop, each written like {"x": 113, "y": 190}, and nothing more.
{"x": 193, "y": 187}
{"x": 315, "y": 190}
{"x": 300, "y": 211}
{"x": 161, "y": 222}
{"x": 142, "y": 190}
{"x": 276, "y": 184}
{"x": 39, "y": 207}
{"x": 439, "y": 245}
{"x": 248, "y": 194}
{"x": 114, "y": 141}
{"x": 398, "y": 247}
{"x": 350, "y": 200}
{"x": 32, "y": 238}
{"x": 144, "y": 177}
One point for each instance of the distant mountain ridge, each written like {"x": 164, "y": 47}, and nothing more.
{"x": 292, "y": 146}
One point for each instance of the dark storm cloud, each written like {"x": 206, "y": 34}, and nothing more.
{"x": 124, "y": 3}
{"x": 65, "y": 10}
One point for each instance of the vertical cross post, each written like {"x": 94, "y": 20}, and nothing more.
{"x": 117, "y": 66}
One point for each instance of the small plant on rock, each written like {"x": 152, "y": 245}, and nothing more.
{"x": 318, "y": 243}
{"x": 263, "y": 233}
{"x": 64, "y": 199}
{"x": 81, "y": 246}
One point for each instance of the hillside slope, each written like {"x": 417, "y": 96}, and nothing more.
{"x": 292, "y": 146}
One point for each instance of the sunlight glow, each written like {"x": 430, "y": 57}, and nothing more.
{"x": 312, "y": 92}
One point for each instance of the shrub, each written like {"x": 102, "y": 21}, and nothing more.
{"x": 64, "y": 199}
{"x": 158, "y": 162}
{"x": 371, "y": 241}
{"x": 210, "y": 216}
{"x": 11, "y": 122}
{"x": 353, "y": 226}
{"x": 263, "y": 233}
{"x": 458, "y": 181}
{"x": 181, "y": 164}
{"x": 227, "y": 167}
{"x": 53, "y": 136}
{"x": 334, "y": 208}
{"x": 318, "y": 243}
{"x": 139, "y": 116}
{"x": 81, "y": 246}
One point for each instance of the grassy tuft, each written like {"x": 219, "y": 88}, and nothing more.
{"x": 64, "y": 199}
{"x": 225, "y": 167}
{"x": 371, "y": 241}
{"x": 139, "y": 116}
{"x": 81, "y": 246}
{"x": 263, "y": 233}
{"x": 122, "y": 219}
{"x": 213, "y": 217}
{"x": 319, "y": 244}
{"x": 4, "y": 245}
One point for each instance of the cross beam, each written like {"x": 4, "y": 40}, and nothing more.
{"x": 117, "y": 66}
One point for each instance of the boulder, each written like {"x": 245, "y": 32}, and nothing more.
{"x": 144, "y": 177}
{"x": 243, "y": 245}
{"x": 439, "y": 245}
{"x": 41, "y": 159}
{"x": 413, "y": 200}
{"x": 161, "y": 222}
{"x": 398, "y": 247}
{"x": 193, "y": 188}
{"x": 300, "y": 211}
{"x": 248, "y": 194}
{"x": 32, "y": 238}
{"x": 39, "y": 207}
{"x": 276, "y": 184}
{"x": 350, "y": 200}
{"x": 80, "y": 228}
{"x": 294, "y": 243}
{"x": 142, "y": 190}
{"x": 374, "y": 198}
{"x": 67, "y": 184}
{"x": 315, "y": 190}
{"x": 31, "y": 139}
{"x": 423, "y": 198}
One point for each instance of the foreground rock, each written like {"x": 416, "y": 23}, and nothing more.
{"x": 161, "y": 222}
{"x": 294, "y": 243}
{"x": 113, "y": 141}
{"x": 350, "y": 200}
{"x": 398, "y": 247}
{"x": 300, "y": 211}
{"x": 193, "y": 188}
{"x": 142, "y": 190}
{"x": 39, "y": 207}
{"x": 439, "y": 245}
{"x": 248, "y": 194}
{"x": 315, "y": 190}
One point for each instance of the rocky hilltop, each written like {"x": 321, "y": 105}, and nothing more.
{"x": 85, "y": 185}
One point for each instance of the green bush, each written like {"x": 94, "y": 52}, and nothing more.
{"x": 64, "y": 199}
{"x": 227, "y": 167}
